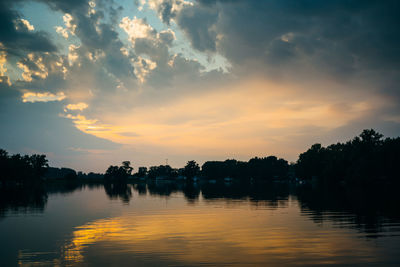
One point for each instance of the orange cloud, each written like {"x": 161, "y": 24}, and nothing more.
{"x": 251, "y": 118}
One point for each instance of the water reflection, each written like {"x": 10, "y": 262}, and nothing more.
{"x": 217, "y": 237}
{"x": 364, "y": 210}
{"x": 22, "y": 200}
{"x": 368, "y": 210}
{"x": 33, "y": 198}
{"x": 217, "y": 223}
{"x": 115, "y": 190}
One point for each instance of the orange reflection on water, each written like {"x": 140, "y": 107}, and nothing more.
{"x": 217, "y": 235}
{"x": 89, "y": 234}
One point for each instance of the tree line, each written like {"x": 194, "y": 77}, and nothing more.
{"x": 267, "y": 168}
{"x": 21, "y": 169}
{"x": 366, "y": 159}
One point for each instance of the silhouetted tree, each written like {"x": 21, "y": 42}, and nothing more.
{"x": 258, "y": 168}
{"x": 191, "y": 169}
{"x": 118, "y": 173}
{"x": 310, "y": 162}
{"x": 365, "y": 160}
{"x": 162, "y": 171}
{"x": 268, "y": 168}
{"x": 115, "y": 181}
{"x": 21, "y": 169}
{"x": 39, "y": 164}
{"x": 142, "y": 172}
{"x": 115, "y": 173}
{"x": 126, "y": 165}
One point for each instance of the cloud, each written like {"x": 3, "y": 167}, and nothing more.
{"x": 62, "y": 31}
{"x": 68, "y": 6}
{"x": 129, "y": 134}
{"x": 72, "y": 54}
{"x": 3, "y": 61}
{"x": 198, "y": 23}
{"x": 143, "y": 67}
{"x": 23, "y": 24}
{"x": 167, "y": 36}
{"x": 69, "y": 29}
{"x": 338, "y": 38}
{"x": 136, "y": 28}
{"x": 42, "y": 97}
{"x": 33, "y": 66}
{"x": 68, "y": 23}
{"x": 168, "y": 9}
{"x": 16, "y": 33}
{"x": 48, "y": 133}
{"x": 79, "y": 106}
{"x": 3, "y": 68}
{"x": 298, "y": 70}
{"x": 245, "y": 119}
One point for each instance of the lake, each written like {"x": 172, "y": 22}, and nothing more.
{"x": 197, "y": 224}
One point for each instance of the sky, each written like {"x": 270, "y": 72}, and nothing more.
{"x": 93, "y": 83}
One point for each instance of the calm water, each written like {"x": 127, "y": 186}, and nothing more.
{"x": 170, "y": 224}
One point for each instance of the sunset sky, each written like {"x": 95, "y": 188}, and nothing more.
{"x": 93, "y": 83}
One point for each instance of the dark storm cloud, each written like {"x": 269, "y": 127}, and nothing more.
{"x": 334, "y": 36}
{"x": 197, "y": 23}
{"x": 66, "y": 6}
{"x": 16, "y": 41}
{"x": 157, "y": 51}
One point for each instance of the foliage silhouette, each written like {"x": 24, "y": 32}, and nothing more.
{"x": 191, "y": 169}
{"x": 119, "y": 173}
{"x": 267, "y": 168}
{"x": 21, "y": 169}
{"x": 367, "y": 159}
{"x": 142, "y": 172}
{"x": 115, "y": 181}
{"x": 162, "y": 172}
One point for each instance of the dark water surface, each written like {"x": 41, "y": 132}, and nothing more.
{"x": 196, "y": 224}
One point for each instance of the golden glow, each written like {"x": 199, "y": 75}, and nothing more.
{"x": 87, "y": 235}
{"x": 215, "y": 236}
{"x": 251, "y": 118}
